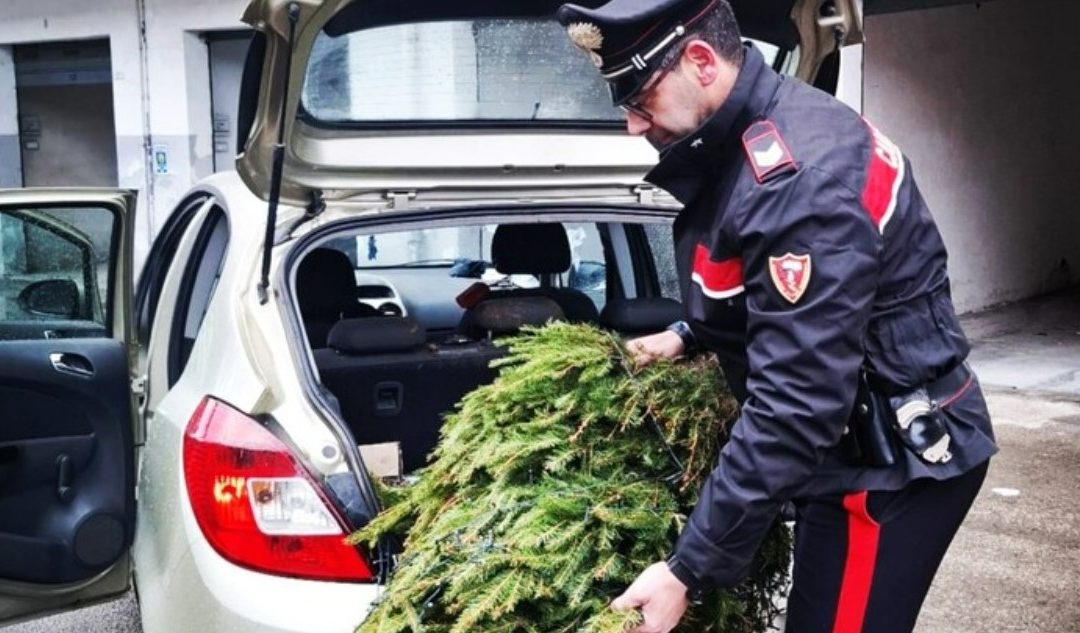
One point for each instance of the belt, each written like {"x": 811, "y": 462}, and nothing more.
{"x": 871, "y": 438}
{"x": 952, "y": 386}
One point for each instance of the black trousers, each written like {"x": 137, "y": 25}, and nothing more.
{"x": 864, "y": 561}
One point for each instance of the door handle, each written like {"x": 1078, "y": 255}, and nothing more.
{"x": 72, "y": 364}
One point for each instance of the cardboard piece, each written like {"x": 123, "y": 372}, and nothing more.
{"x": 383, "y": 460}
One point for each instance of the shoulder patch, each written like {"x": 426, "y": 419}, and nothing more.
{"x": 767, "y": 152}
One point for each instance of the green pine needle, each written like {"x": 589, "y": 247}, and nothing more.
{"x": 554, "y": 486}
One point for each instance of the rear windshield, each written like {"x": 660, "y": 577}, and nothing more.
{"x": 465, "y": 70}
{"x": 479, "y": 70}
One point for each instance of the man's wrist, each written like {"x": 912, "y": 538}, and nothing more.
{"x": 695, "y": 588}
{"x": 682, "y": 329}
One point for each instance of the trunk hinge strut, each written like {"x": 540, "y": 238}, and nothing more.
{"x": 279, "y": 162}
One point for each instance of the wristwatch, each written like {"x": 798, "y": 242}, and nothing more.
{"x": 682, "y": 328}
{"x": 695, "y": 589}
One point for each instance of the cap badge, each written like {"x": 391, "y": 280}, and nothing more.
{"x": 791, "y": 275}
{"x": 587, "y": 37}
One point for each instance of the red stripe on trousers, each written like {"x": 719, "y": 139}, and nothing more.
{"x": 863, "y": 535}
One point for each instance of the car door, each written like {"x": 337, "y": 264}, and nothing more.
{"x": 67, "y": 502}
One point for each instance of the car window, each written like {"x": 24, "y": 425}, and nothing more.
{"x": 465, "y": 253}
{"x": 521, "y": 69}
{"x": 158, "y": 263}
{"x": 55, "y": 277}
{"x": 201, "y": 274}
{"x": 662, "y": 247}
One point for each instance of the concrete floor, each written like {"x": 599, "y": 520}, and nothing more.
{"x": 1015, "y": 564}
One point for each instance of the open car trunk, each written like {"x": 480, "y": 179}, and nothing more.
{"x": 377, "y": 99}
{"x": 422, "y": 338}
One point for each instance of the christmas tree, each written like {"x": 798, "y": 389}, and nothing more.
{"x": 554, "y": 486}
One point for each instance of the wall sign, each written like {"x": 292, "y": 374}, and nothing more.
{"x": 161, "y": 159}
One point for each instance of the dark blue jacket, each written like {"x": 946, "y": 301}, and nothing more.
{"x": 806, "y": 252}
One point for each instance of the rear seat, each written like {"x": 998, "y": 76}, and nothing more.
{"x": 392, "y": 386}
{"x": 640, "y": 316}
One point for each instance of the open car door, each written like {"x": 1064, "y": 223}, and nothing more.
{"x": 67, "y": 462}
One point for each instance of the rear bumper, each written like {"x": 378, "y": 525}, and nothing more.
{"x": 203, "y": 593}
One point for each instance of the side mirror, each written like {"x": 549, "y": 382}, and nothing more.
{"x": 51, "y": 298}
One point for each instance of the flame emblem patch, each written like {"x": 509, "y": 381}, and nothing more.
{"x": 791, "y": 275}
{"x": 587, "y": 37}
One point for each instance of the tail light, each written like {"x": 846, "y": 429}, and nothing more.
{"x": 257, "y": 505}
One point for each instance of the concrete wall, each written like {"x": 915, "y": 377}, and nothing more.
{"x": 178, "y": 90}
{"x": 984, "y": 101}
{"x": 10, "y": 158}
{"x": 161, "y": 85}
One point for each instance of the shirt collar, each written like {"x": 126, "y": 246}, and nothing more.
{"x": 684, "y": 162}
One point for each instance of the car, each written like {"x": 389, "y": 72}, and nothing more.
{"x": 414, "y": 181}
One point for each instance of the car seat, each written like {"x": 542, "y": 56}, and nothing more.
{"x": 326, "y": 293}
{"x": 533, "y": 249}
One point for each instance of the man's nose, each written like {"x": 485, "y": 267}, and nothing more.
{"x": 637, "y": 125}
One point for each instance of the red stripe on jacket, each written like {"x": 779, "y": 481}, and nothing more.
{"x": 718, "y": 280}
{"x": 885, "y": 174}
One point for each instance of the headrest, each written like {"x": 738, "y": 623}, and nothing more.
{"x": 376, "y": 335}
{"x": 507, "y": 315}
{"x": 325, "y": 282}
{"x": 643, "y": 315}
{"x": 530, "y": 249}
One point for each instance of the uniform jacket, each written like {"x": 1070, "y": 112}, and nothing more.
{"x": 805, "y": 253}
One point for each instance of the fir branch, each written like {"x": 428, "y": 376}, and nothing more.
{"x": 551, "y": 489}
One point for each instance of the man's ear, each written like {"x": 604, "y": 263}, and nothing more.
{"x": 701, "y": 61}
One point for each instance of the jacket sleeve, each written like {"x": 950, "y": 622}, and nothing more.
{"x": 804, "y": 358}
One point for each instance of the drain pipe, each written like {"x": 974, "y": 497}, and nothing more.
{"x": 148, "y": 140}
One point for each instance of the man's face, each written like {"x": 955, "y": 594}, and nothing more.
{"x": 667, "y": 110}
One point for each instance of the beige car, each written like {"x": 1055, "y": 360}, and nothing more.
{"x": 435, "y": 175}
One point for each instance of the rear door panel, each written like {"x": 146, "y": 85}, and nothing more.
{"x": 67, "y": 462}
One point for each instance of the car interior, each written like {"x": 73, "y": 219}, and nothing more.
{"x": 403, "y": 324}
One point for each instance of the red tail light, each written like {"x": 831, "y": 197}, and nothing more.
{"x": 257, "y": 506}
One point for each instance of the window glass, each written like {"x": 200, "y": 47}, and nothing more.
{"x": 464, "y": 70}
{"x": 55, "y": 268}
{"x": 465, "y": 252}
{"x": 662, "y": 245}
{"x": 506, "y": 69}
{"x": 158, "y": 263}
{"x": 200, "y": 281}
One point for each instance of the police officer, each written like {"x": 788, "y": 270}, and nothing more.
{"x": 811, "y": 266}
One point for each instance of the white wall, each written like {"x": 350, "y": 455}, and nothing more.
{"x": 181, "y": 117}
{"x": 161, "y": 85}
{"x": 985, "y": 101}
{"x": 10, "y": 155}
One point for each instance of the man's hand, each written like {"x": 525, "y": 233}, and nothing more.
{"x": 660, "y": 596}
{"x": 650, "y": 348}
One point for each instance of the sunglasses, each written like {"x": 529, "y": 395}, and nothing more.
{"x": 635, "y": 104}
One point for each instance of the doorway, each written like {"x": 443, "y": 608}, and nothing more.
{"x": 227, "y": 51}
{"x": 67, "y": 135}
